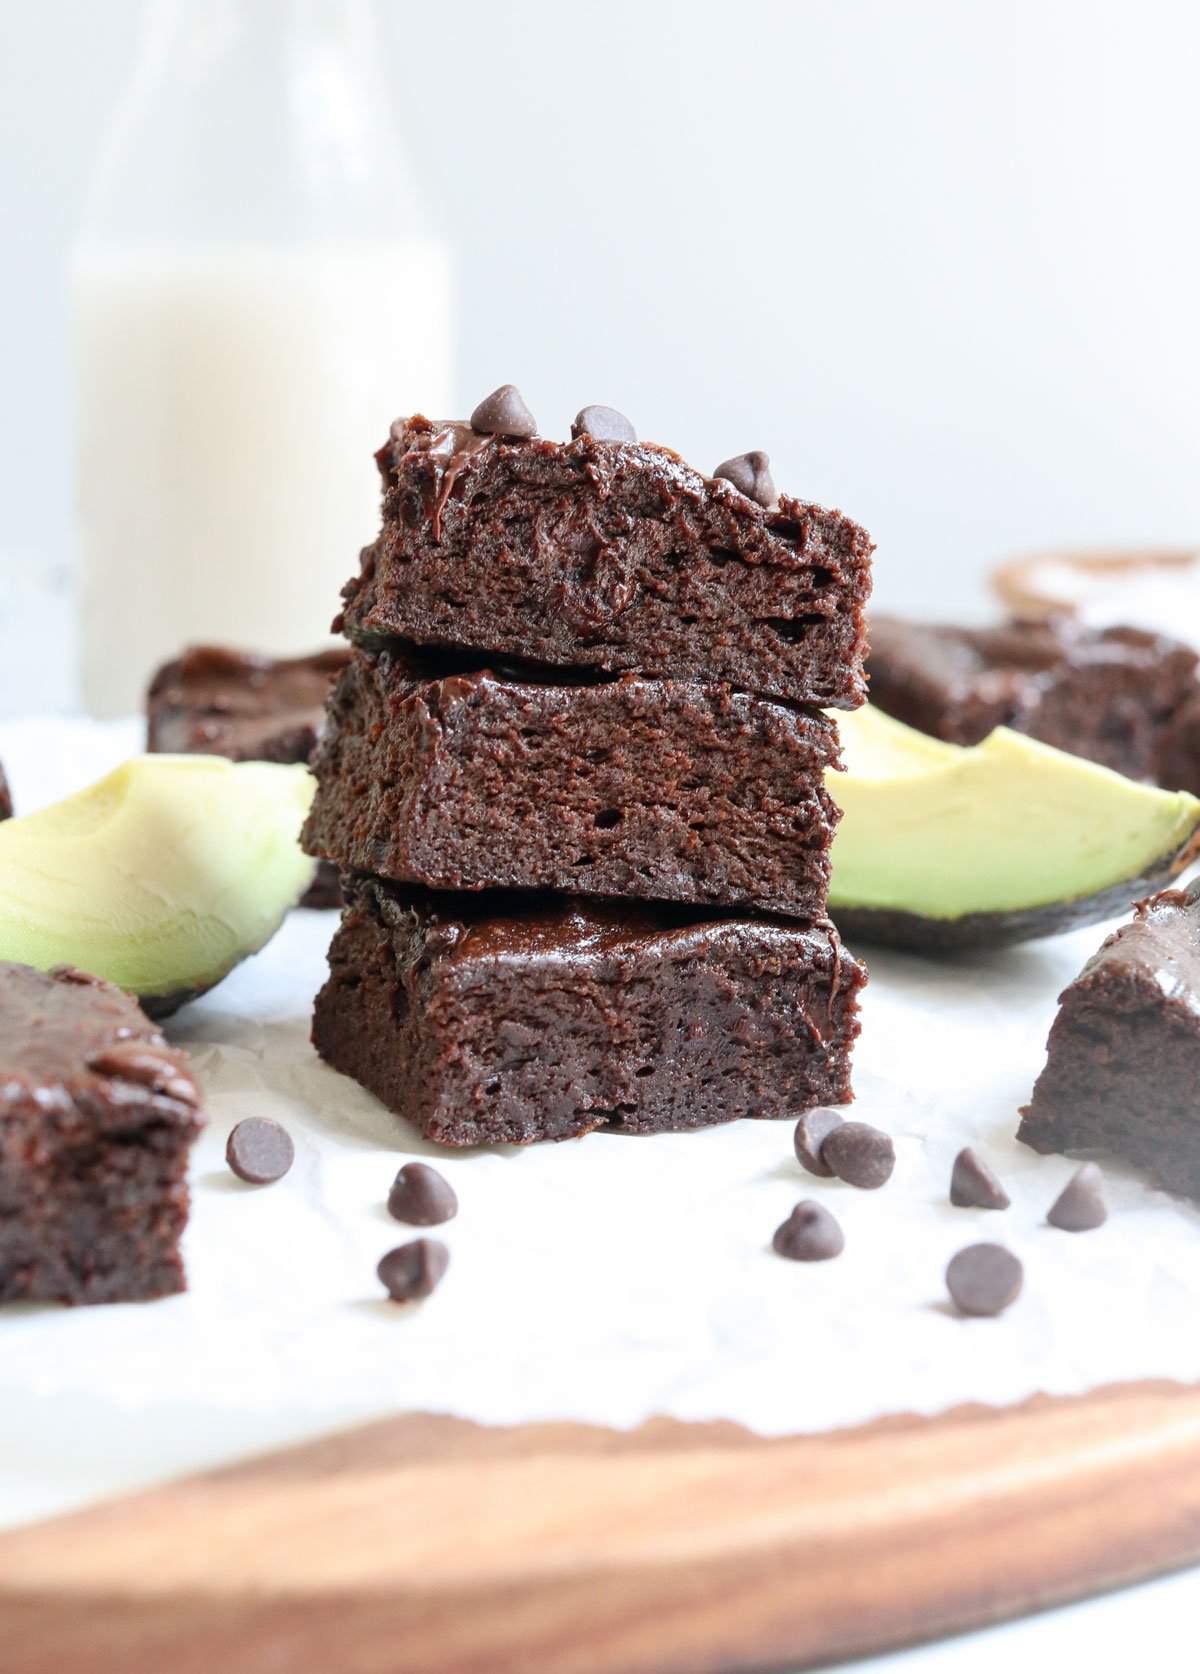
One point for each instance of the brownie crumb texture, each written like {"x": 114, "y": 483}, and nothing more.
{"x": 97, "y": 1116}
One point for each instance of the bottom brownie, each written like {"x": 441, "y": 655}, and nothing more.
{"x": 512, "y": 1018}
{"x": 1123, "y": 1058}
{"x": 97, "y": 1114}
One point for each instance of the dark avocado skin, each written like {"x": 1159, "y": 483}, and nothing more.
{"x": 158, "y": 1006}
{"x": 891, "y": 927}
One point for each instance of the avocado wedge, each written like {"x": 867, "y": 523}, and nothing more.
{"x": 942, "y": 847}
{"x": 160, "y": 877}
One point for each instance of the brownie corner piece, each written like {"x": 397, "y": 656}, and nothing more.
{"x": 500, "y": 1018}
{"x": 1120, "y": 696}
{"x": 611, "y": 555}
{"x": 213, "y": 700}
{"x": 1123, "y": 1056}
{"x": 97, "y": 1117}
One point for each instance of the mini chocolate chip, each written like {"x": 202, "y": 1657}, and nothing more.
{"x": 750, "y": 474}
{"x": 148, "y": 1065}
{"x": 984, "y": 1279}
{"x": 503, "y": 413}
{"x": 259, "y": 1151}
{"x": 812, "y": 1130}
{"x": 413, "y": 1270}
{"x": 973, "y": 1185}
{"x": 603, "y": 424}
{"x": 810, "y": 1233}
{"x": 860, "y": 1155}
{"x": 421, "y": 1197}
{"x": 1080, "y": 1205}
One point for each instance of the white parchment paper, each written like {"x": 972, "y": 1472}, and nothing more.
{"x": 606, "y": 1279}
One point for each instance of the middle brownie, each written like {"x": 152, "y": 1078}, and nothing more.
{"x": 661, "y": 789}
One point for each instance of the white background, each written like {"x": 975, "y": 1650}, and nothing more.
{"x": 941, "y": 260}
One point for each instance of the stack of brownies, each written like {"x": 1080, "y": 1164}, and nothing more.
{"x": 574, "y": 778}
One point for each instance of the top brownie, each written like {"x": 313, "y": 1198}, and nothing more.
{"x": 614, "y": 555}
{"x": 213, "y": 701}
{"x": 1127, "y": 699}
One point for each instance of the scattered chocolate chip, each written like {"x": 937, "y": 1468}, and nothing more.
{"x": 810, "y": 1233}
{"x": 259, "y": 1151}
{"x": 1080, "y": 1205}
{"x": 503, "y": 413}
{"x": 413, "y": 1270}
{"x": 860, "y": 1155}
{"x": 420, "y": 1197}
{"x": 750, "y": 474}
{"x": 812, "y": 1130}
{"x": 984, "y": 1279}
{"x": 604, "y": 424}
{"x": 973, "y": 1185}
{"x": 137, "y": 1060}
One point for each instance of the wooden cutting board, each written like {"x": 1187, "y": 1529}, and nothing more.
{"x": 427, "y": 1545}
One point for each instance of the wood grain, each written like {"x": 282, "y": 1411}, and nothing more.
{"x": 428, "y": 1545}
{"x": 1028, "y": 586}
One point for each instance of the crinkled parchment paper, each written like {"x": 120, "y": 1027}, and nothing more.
{"x": 606, "y": 1279}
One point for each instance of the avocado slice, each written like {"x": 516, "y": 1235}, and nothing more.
{"x": 942, "y": 847}
{"x": 160, "y": 877}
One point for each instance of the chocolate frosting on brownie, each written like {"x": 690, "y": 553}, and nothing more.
{"x": 1119, "y": 696}
{"x": 610, "y": 554}
{"x": 1123, "y": 1058}
{"x": 81, "y": 1048}
{"x": 6, "y": 806}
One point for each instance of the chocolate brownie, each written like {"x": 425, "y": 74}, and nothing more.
{"x": 675, "y": 790}
{"x": 612, "y": 555}
{"x": 515, "y": 1018}
{"x": 97, "y": 1114}
{"x": 6, "y": 807}
{"x": 1127, "y": 699}
{"x": 1123, "y": 1059}
{"x": 216, "y": 702}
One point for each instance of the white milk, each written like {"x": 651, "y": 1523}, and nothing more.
{"x": 229, "y": 404}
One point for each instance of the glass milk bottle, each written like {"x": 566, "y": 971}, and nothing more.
{"x": 257, "y": 296}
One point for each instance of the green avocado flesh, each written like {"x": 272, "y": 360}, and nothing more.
{"x": 941, "y": 846}
{"x": 161, "y": 877}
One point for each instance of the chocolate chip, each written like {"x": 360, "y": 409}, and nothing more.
{"x": 259, "y": 1151}
{"x": 413, "y": 1270}
{"x": 984, "y": 1279}
{"x": 750, "y": 474}
{"x": 503, "y": 413}
{"x": 810, "y": 1233}
{"x": 1080, "y": 1205}
{"x": 860, "y": 1155}
{"x": 150, "y": 1066}
{"x": 812, "y": 1130}
{"x": 420, "y": 1197}
{"x": 603, "y": 424}
{"x": 973, "y": 1185}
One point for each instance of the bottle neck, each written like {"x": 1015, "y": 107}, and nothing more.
{"x": 261, "y": 122}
